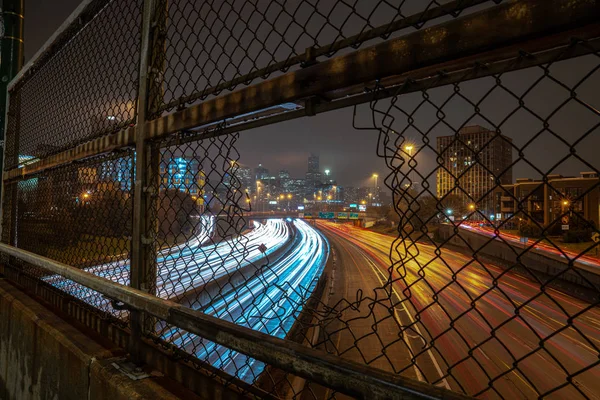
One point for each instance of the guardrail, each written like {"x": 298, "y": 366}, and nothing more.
{"x": 106, "y": 170}
{"x": 345, "y": 376}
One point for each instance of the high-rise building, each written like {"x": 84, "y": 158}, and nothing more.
{"x": 295, "y": 187}
{"x": 476, "y": 159}
{"x": 119, "y": 171}
{"x": 313, "y": 176}
{"x": 313, "y": 163}
{"x": 350, "y": 195}
{"x": 244, "y": 175}
{"x": 284, "y": 174}
{"x": 260, "y": 172}
{"x": 182, "y": 173}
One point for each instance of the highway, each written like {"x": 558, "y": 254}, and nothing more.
{"x": 441, "y": 307}
{"x": 269, "y": 303}
{"x": 586, "y": 259}
{"x": 189, "y": 265}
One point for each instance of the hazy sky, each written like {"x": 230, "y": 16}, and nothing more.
{"x": 350, "y": 153}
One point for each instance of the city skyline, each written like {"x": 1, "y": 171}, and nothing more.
{"x": 333, "y": 137}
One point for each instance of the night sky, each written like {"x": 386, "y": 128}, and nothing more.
{"x": 350, "y": 153}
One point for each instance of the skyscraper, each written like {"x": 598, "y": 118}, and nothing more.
{"x": 261, "y": 172}
{"x": 478, "y": 160}
{"x": 313, "y": 175}
{"x": 284, "y": 174}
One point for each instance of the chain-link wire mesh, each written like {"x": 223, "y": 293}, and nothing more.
{"x": 80, "y": 215}
{"x": 504, "y": 300}
{"x": 84, "y": 90}
{"x": 490, "y": 286}
{"x": 211, "y": 46}
{"x": 215, "y": 258}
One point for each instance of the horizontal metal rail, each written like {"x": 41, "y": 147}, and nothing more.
{"x": 76, "y": 21}
{"x": 506, "y": 25}
{"x": 526, "y": 55}
{"x": 344, "y": 376}
{"x": 453, "y": 7}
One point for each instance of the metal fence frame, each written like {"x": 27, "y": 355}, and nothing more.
{"x": 526, "y": 33}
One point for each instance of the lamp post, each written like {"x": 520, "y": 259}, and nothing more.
{"x": 375, "y": 188}
{"x": 257, "y": 191}
{"x": 409, "y": 148}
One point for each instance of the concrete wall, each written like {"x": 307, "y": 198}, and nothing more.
{"x": 45, "y": 357}
{"x": 548, "y": 265}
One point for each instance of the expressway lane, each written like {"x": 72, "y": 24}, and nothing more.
{"x": 355, "y": 303}
{"x": 581, "y": 260}
{"x": 190, "y": 265}
{"x": 495, "y": 295}
{"x": 269, "y": 302}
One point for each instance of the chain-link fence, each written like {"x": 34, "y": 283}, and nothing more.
{"x": 486, "y": 282}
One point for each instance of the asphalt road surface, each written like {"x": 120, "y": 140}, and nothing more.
{"x": 465, "y": 311}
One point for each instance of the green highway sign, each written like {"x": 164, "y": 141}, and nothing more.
{"x": 342, "y": 215}
{"x": 308, "y": 215}
{"x": 326, "y": 215}
{"x": 353, "y": 215}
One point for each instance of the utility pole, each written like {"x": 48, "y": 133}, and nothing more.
{"x": 11, "y": 57}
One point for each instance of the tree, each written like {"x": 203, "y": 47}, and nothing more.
{"x": 175, "y": 209}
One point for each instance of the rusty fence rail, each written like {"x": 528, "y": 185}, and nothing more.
{"x": 124, "y": 189}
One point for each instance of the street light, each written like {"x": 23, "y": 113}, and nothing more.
{"x": 258, "y": 192}
{"x": 409, "y": 148}
{"x": 449, "y": 211}
{"x": 375, "y": 176}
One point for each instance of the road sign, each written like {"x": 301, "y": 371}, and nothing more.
{"x": 596, "y": 237}
{"x": 308, "y": 215}
{"x": 565, "y": 227}
{"x": 326, "y": 215}
{"x": 353, "y": 215}
{"x": 565, "y": 220}
{"x": 300, "y": 215}
{"x": 342, "y": 215}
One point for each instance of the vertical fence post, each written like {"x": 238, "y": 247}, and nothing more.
{"x": 143, "y": 260}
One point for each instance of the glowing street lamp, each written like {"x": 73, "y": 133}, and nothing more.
{"x": 449, "y": 211}
{"x": 472, "y": 207}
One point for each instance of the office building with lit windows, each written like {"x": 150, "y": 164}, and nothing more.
{"x": 473, "y": 163}
{"x": 546, "y": 203}
{"x": 183, "y": 174}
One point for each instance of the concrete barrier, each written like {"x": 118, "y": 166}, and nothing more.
{"x": 43, "y": 356}
{"x": 513, "y": 254}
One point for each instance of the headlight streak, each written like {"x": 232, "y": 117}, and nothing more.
{"x": 195, "y": 264}
{"x": 269, "y": 303}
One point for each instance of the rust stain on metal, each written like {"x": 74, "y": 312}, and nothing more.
{"x": 435, "y": 36}
{"x": 571, "y": 4}
{"x": 518, "y": 11}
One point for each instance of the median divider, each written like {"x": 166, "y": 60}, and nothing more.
{"x": 305, "y": 331}
{"x": 574, "y": 277}
{"x": 202, "y": 296}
